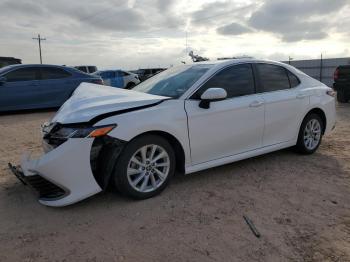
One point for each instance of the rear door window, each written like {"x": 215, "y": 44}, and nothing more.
{"x": 237, "y": 80}
{"x": 272, "y": 77}
{"x": 23, "y": 74}
{"x": 53, "y": 73}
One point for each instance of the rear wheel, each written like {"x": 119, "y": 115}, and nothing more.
{"x": 341, "y": 96}
{"x": 310, "y": 134}
{"x": 145, "y": 167}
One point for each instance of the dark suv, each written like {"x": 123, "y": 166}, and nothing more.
{"x": 342, "y": 83}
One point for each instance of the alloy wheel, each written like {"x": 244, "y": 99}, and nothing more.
{"x": 148, "y": 168}
{"x": 312, "y": 134}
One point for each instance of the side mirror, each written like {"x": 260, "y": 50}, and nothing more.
{"x": 2, "y": 80}
{"x": 212, "y": 94}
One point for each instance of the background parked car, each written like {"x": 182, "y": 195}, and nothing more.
{"x": 147, "y": 73}
{"x": 89, "y": 69}
{"x": 39, "y": 86}
{"x": 342, "y": 83}
{"x": 5, "y": 61}
{"x": 119, "y": 78}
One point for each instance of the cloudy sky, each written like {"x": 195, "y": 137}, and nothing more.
{"x": 146, "y": 33}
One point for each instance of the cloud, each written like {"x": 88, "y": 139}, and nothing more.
{"x": 295, "y": 20}
{"x": 233, "y": 29}
{"x": 132, "y": 33}
{"x": 218, "y": 12}
{"x": 15, "y": 7}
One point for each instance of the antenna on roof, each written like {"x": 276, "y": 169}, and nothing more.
{"x": 197, "y": 58}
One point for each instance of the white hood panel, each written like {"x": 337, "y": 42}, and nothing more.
{"x": 91, "y": 100}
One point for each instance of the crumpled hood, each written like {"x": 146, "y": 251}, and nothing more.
{"x": 91, "y": 100}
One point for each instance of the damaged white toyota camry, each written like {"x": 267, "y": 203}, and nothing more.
{"x": 187, "y": 118}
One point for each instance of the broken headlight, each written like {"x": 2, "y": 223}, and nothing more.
{"x": 65, "y": 132}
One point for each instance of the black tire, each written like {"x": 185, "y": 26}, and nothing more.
{"x": 120, "y": 176}
{"x": 341, "y": 96}
{"x": 130, "y": 86}
{"x": 301, "y": 146}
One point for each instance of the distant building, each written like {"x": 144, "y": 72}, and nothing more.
{"x": 321, "y": 70}
{"x": 5, "y": 61}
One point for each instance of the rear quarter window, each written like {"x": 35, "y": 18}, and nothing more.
{"x": 293, "y": 80}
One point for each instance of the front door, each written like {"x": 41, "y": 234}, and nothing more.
{"x": 21, "y": 89}
{"x": 228, "y": 127}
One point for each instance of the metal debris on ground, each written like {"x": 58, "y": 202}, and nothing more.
{"x": 251, "y": 226}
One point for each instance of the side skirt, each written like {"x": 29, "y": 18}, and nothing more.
{"x": 237, "y": 157}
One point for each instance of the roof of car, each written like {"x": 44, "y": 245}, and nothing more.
{"x": 226, "y": 62}
{"x": 237, "y": 61}
{"x": 70, "y": 69}
{"x": 37, "y": 65}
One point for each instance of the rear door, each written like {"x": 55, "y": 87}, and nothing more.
{"x": 21, "y": 89}
{"x": 285, "y": 103}
{"x": 56, "y": 85}
{"x": 232, "y": 126}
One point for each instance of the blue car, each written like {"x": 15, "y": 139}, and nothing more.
{"x": 39, "y": 86}
{"x": 119, "y": 78}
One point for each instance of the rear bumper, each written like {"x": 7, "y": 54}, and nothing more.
{"x": 63, "y": 176}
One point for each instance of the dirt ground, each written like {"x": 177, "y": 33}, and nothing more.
{"x": 300, "y": 205}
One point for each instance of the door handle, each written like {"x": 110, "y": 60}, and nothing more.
{"x": 256, "y": 104}
{"x": 300, "y": 96}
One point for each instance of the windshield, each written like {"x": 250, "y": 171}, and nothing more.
{"x": 174, "y": 81}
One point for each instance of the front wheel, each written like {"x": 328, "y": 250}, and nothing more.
{"x": 310, "y": 134}
{"x": 145, "y": 167}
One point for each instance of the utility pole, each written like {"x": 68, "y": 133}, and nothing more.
{"x": 321, "y": 67}
{"x": 289, "y": 59}
{"x": 39, "y": 41}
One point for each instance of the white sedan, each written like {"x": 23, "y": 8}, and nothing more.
{"x": 187, "y": 118}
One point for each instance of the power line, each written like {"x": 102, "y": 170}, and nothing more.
{"x": 39, "y": 41}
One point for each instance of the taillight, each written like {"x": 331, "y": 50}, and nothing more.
{"x": 336, "y": 74}
{"x": 98, "y": 81}
{"x": 330, "y": 93}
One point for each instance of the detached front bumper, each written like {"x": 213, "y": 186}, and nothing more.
{"x": 62, "y": 176}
